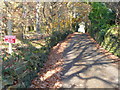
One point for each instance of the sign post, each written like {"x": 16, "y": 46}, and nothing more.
{"x": 10, "y": 48}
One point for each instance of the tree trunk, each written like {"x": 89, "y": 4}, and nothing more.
{"x": 37, "y": 18}
{"x": 9, "y": 25}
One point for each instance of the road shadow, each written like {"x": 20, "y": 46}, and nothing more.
{"x": 82, "y": 54}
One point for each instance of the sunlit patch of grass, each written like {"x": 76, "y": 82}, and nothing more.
{"x": 38, "y": 44}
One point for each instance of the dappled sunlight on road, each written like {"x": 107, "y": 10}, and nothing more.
{"x": 78, "y": 62}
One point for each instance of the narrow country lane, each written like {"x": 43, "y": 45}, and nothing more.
{"x": 86, "y": 65}
{"x": 78, "y": 62}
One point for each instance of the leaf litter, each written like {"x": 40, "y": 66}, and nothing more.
{"x": 50, "y": 75}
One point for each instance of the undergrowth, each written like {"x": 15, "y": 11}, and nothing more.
{"x": 24, "y": 64}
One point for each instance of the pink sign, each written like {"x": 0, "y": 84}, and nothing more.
{"x": 10, "y": 39}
